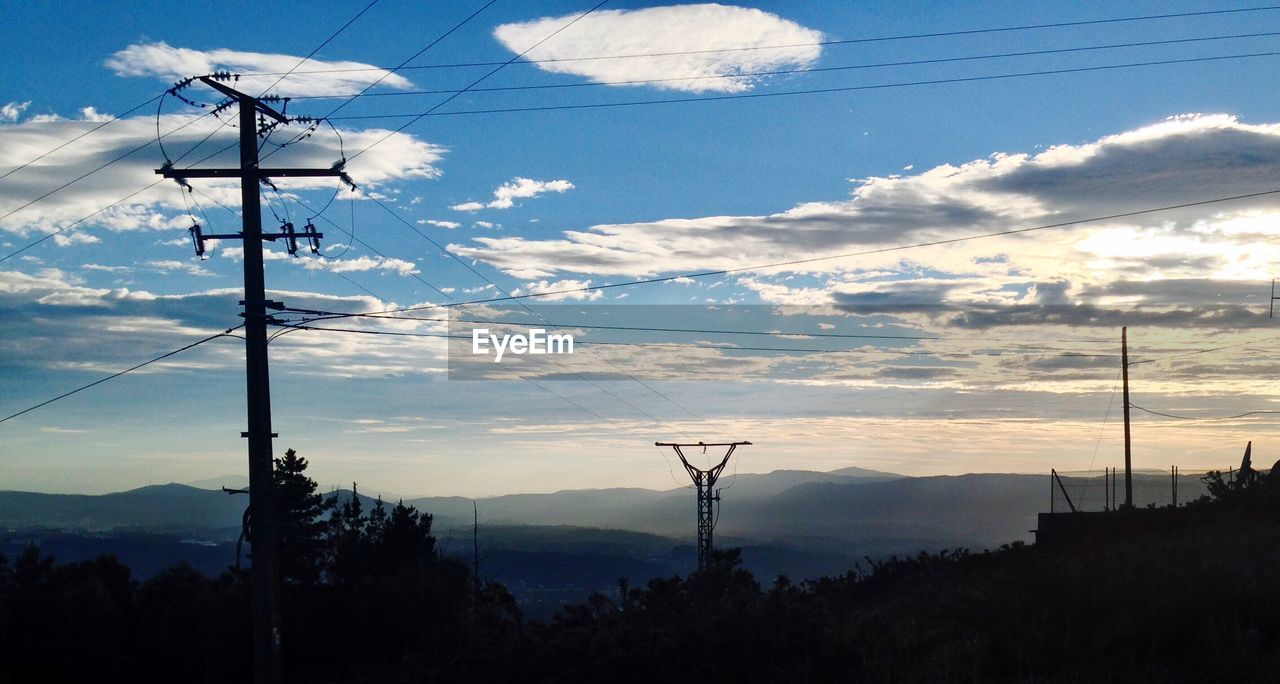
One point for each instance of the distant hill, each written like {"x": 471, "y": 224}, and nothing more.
{"x": 217, "y": 483}
{"x": 156, "y": 508}
{"x": 174, "y": 508}
{"x": 848, "y": 512}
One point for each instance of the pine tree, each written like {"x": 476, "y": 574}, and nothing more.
{"x": 300, "y": 512}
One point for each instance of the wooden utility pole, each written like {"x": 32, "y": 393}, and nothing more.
{"x": 1128, "y": 448}
{"x": 264, "y": 529}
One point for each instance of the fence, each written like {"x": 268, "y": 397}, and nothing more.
{"x": 1103, "y": 489}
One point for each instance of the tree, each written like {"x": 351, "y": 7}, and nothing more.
{"x": 300, "y": 513}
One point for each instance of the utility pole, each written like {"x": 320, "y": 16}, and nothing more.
{"x": 1128, "y": 448}
{"x": 264, "y": 537}
{"x": 704, "y": 481}
{"x": 475, "y": 551}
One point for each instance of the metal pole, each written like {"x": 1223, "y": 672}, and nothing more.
{"x": 1128, "y": 449}
{"x": 704, "y": 482}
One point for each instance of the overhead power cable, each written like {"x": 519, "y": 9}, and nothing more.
{"x": 158, "y": 137}
{"x": 306, "y": 325}
{"x": 805, "y": 70}
{"x": 1178, "y": 417}
{"x": 95, "y": 383}
{"x": 789, "y": 93}
{"x": 846, "y": 255}
{"x": 480, "y": 80}
{"x": 1204, "y": 351}
{"x": 100, "y": 125}
{"x": 323, "y": 315}
{"x": 90, "y": 215}
{"x": 823, "y": 43}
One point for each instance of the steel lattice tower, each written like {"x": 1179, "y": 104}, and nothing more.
{"x": 704, "y": 481}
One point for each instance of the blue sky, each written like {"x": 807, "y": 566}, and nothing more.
{"x": 553, "y": 200}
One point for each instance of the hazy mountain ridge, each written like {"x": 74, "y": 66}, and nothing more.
{"x": 860, "y": 513}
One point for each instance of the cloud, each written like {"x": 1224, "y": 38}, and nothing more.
{"x": 169, "y": 63}
{"x": 92, "y": 114}
{"x": 104, "y": 329}
{"x": 68, "y": 239}
{"x": 518, "y": 188}
{"x": 448, "y": 225}
{"x": 13, "y": 110}
{"x": 401, "y": 156}
{"x": 1182, "y": 159}
{"x": 365, "y": 263}
{"x": 717, "y": 42}
{"x": 549, "y": 286}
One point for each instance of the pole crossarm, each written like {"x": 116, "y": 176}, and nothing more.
{"x": 257, "y": 104}
{"x": 170, "y": 172}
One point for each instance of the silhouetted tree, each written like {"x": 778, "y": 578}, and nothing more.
{"x": 302, "y": 525}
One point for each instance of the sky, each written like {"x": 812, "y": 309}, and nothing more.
{"x": 821, "y": 173}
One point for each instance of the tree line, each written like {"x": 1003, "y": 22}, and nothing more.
{"x": 368, "y": 597}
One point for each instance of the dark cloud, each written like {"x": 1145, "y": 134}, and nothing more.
{"x": 1124, "y": 175}
{"x": 1183, "y": 291}
{"x": 915, "y": 372}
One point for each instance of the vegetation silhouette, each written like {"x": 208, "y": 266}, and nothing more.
{"x": 368, "y": 598}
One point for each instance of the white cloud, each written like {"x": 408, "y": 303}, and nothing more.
{"x": 68, "y": 239}
{"x": 13, "y": 110}
{"x": 169, "y": 63}
{"x": 365, "y": 263}
{"x": 92, "y": 114}
{"x": 698, "y": 30}
{"x": 448, "y": 225}
{"x": 401, "y": 156}
{"x": 521, "y": 188}
{"x": 504, "y": 195}
{"x": 541, "y": 286}
{"x": 1172, "y": 162}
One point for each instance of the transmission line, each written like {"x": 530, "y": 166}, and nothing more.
{"x": 846, "y": 255}
{"x": 1179, "y": 417}
{"x": 875, "y": 39}
{"x": 99, "y": 381}
{"x": 480, "y": 80}
{"x": 807, "y": 70}
{"x": 788, "y": 93}
{"x": 101, "y": 124}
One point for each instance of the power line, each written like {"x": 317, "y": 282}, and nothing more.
{"x": 480, "y": 80}
{"x": 415, "y": 55}
{"x": 322, "y": 315}
{"x": 876, "y": 39}
{"x": 306, "y": 325}
{"x": 88, "y": 216}
{"x": 1171, "y": 415}
{"x": 1205, "y": 351}
{"x": 787, "y": 93}
{"x": 809, "y": 70}
{"x": 78, "y": 137}
{"x": 879, "y": 250}
{"x": 104, "y": 165}
{"x": 158, "y": 138}
{"x": 284, "y": 75}
{"x": 447, "y": 296}
{"x": 179, "y": 350}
